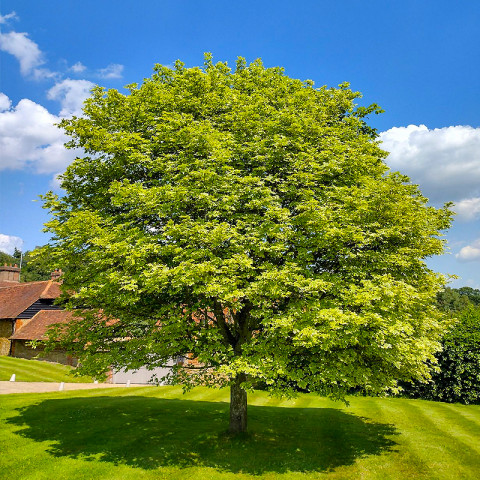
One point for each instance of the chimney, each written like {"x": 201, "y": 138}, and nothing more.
{"x": 9, "y": 273}
{"x": 56, "y": 275}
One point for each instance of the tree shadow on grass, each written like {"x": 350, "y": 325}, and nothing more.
{"x": 149, "y": 433}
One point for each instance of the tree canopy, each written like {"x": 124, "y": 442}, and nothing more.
{"x": 246, "y": 219}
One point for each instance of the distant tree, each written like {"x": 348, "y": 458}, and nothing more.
{"x": 34, "y": 267}
{"x": 452, "y": 300}
{"x": 458, "y": 376}
{"x": 6, "y": 258}
{"x": 473, "y": 294}
{"x": 247, "y": 219}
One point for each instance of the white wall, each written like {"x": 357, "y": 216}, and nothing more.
{"x": 138, "y": 376}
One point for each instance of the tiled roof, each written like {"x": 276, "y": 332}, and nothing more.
{"x": 36, "y": 328}
{"x": 18, "y": 297}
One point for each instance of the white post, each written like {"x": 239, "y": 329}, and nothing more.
{"x": 12, "y": 378}
{"x": 128, "y": 383}
{"x": 61, "y": 387}
{"x": 95, "y": 382}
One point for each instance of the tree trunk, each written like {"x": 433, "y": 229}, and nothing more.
{"x": 238, "y": 406}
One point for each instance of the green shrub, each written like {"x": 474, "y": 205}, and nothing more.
{"x": 459, "y": 362}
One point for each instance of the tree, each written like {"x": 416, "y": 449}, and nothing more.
{"x": 472, "y": 294}
{"x": 453, "y": 300}
{"x": 457, "y": 378}
{"x": 6, "y": 258}
{"x": 35, "y": 264}
{"x": 17, "y": 254}
{"x": 246, "y": 219}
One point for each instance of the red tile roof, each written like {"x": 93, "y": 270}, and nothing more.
{"x": 18, "y": 297}
{"x": 37, "y": 326}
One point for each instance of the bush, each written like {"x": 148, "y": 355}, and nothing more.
{"x": 459, "y": 362}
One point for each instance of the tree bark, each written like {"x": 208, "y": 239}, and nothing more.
{"x": 238, "y": 406}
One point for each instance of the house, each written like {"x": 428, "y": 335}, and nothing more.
{"x": 26, "y": 312}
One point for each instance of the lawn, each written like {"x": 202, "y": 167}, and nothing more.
{"x": 37, "y": 371}
{"x": 158, "y": 433}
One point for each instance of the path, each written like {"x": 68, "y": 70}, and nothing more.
{"x": 39, "y": 387}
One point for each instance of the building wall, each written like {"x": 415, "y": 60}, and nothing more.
{"x": 6, "y": 330}
{"x": 21, "y": 350}
{"x": 142, "y": 375}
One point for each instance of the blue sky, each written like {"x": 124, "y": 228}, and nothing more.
{"x": 419, "y": 60}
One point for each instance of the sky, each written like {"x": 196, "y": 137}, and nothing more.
{"x": 419, "y": 60}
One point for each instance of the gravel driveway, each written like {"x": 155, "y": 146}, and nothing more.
{"x": 38, "y": 387}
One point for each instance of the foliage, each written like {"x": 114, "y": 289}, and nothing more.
{"x": 458, "y": 376}
{"x": 248, "y": 219}
{"x": 34, "y": 267}
{"x": 6, "y": 258}
{"x": 453, "y": 300}
{"x": 473, "y": 294}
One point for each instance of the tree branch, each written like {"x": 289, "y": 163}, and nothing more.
{"x": 222, "y": 325}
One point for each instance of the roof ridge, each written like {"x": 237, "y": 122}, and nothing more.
{"x": 26, "y": 284}
{"x": 45, "y": 290}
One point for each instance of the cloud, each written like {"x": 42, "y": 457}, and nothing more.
{"x": 468, "y": 209}
{"x": 445, "y": 162}
{"x": 43, "y": 73}
{"x": 10, "y": 16}
{"x": 24, "y": 50}
{"x": 71, "y": 95}
{"x": 5, "y": 102}
{"x": 9, "y": 242}
{"x": 78, "y": 67}
{"x": 27, "y": 53}
{"x": 470, "y": 253}
{"x": 31, "y": 58}
{"x": 55, "y": 182}
{"x": 114, "y": 70}
{"x": 30, "y": 140}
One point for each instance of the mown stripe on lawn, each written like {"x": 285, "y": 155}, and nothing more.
{"x": 430, "y": 443}
{"x": 37, "y": 370}
{"x": 470, "y": 416}
{"x": 417, "y": 453}
{"x": 451, "y": 423}
{"x": 401, "y": 462}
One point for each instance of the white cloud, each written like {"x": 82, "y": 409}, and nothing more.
{"x": 10, "y": 16}
{"x": 23, "y": 49}
{"x": 55, "y": 182}
{"x": 5, "y": 102}
{"x": 469, "y": 253}
{"x": 71, "y": 95}
{"x": 9, "y": 242}
{"x": 114, "y": 70}
{"x": 445, "y": 162}
{"x": 468, "y": 209}
{"x": 30, "y": 140}
{"x": 78, "y": 67}
{"x": 43, "y": 73}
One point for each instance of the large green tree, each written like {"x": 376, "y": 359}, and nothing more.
{"x": 246, "y": 219}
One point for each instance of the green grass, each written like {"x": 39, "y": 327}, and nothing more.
{"x": 37, "y": 371}
{"x": 158, "y": 433}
